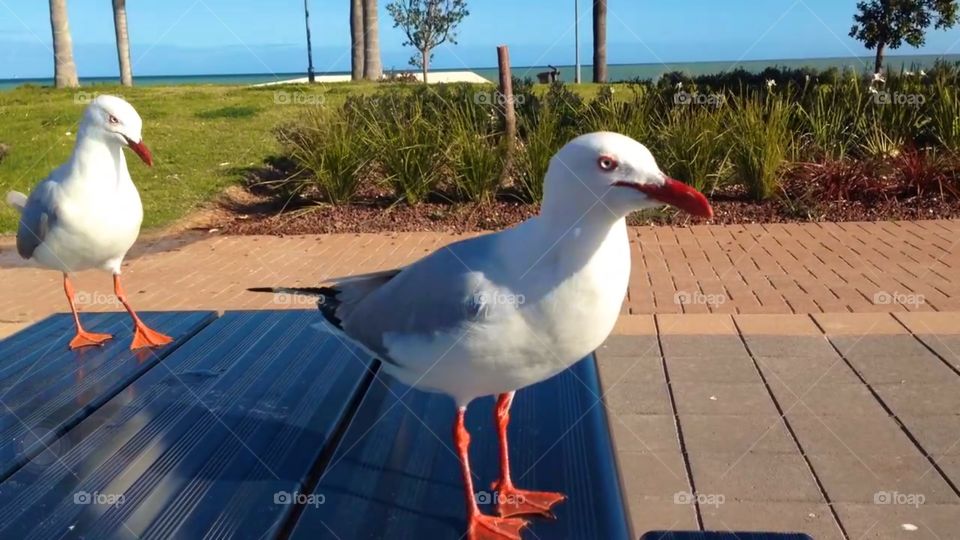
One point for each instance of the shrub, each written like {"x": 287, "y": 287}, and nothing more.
{"x": 945, "y": 116}
{"x": 332, "y": 153}
{"x": 474, "y": 155}
{"x": 691, "y": 145}
{"x": 544, "y": 136}
{"x": 408, "y": 146}
{"x": 760, "y": 142}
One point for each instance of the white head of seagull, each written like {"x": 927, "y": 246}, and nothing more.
{"x": 114, "y": 122}
{"x": 616, "y": 174}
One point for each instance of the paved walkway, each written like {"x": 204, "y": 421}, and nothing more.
{"x": 828, "y": 403}
{"x": 842, "y": 426}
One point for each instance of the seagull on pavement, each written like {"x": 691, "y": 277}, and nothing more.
{"x": 499, "y": 312}
{"x": 87, "y": 213}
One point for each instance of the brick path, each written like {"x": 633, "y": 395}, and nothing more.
{"x": 811, "y": 268}
{"x": 829, "y": 403}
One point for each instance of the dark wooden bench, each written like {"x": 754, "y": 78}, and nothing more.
{"x": 257, "y": 425}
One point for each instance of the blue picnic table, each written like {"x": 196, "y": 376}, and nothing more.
{"x": 257, "y": 425}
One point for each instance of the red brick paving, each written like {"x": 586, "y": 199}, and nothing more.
{"x": 753, "y": 269}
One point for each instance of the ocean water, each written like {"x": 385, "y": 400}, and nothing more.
{"x": 618, "y": 72}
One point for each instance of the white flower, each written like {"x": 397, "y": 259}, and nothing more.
{"x": 923, "y": 73}
{"x": 878, "y": 77}
{"x": 873, "y": 90}
{"x": 908, "y": 74}
{"x": 680, "y": 86}
{"x": 771, "y": 83}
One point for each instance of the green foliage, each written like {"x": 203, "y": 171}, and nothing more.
{"x": 760, "y": 142}
{"x": 473, "y": 153}
{"x": 427, "y": 24}
{"x": 544, "y": 136}
{"x": 691, "y": 145}
{"x": 945, "y": 116}
{"x": 331, "y": 151}
{"x": 893, "y": 23}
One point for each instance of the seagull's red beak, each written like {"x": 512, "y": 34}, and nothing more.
{"x": 677, "y": 194}
{"x": 141, "y": 150}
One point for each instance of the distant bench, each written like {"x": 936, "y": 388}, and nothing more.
{"x": 256, "y": 425}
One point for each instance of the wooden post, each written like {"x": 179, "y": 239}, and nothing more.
{"x": 509, "y": 113}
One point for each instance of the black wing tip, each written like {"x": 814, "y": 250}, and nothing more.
{"x": 261, "y": 289}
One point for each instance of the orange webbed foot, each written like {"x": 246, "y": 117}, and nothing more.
{"x": 517, "y": 502}
{"x": 88, "y": 339}
{"x": 144, "y": 336}
{"x": 483, "y": 527}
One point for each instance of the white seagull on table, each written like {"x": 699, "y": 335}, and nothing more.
{"x": 87, "y": 213}
{"x": 496, "y": 313}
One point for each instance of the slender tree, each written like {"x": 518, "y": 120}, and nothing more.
{"x": 356, "y": 40}
{"x": 311, "y": 76}
{"x": 123, "y": 41}
{"x": 882, "y": 24}
{"x": 599, "y": 41}
{"x": 372, "y": 67}
{"x": 64, "y": 69}
{"x": 427, "y": 24}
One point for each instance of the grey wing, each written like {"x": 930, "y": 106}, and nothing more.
{"x": 39, "y": 215}
{"x": 437, "y": 293}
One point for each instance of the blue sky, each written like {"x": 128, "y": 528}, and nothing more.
{"x": 267, "y": 36}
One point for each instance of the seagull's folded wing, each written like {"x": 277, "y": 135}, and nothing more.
{"x": 38, "y": 216}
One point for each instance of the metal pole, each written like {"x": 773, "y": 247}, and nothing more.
{"x": 306, "y": 16}
{"x": 576, "y": 34}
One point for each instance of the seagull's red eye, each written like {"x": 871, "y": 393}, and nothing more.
{"x": 607, "y": 163}
{"x": 113, "y": 119}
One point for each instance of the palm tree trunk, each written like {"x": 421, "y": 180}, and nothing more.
{"x": 64, "y": 69}
{"x": 123, "y": 41}
{"x": 372, "y": 68}
{"x": 599, "y": 41}
{"x": 356, "y": 39}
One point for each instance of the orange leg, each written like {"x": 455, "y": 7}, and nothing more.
{"x": 83, "y": 338}
{"x": 480, "y": 526}
{"x": 143, "y": 335}
{"x": 510, "y": 500}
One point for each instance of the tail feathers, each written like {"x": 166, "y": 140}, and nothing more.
{"x": 327, "y": 301}
{"x": 304, "y": 291}
{"x": 17, "y": 200}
